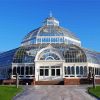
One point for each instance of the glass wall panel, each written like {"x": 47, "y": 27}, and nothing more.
{"x": 27, "y": 70}
{"x": 18, "y": 70}
{"x": 85, "y": 70}
{"x": 22, "y": 70}
{"x": 77, "y": 69}
{"x": 14, "y": 70}
{"x": 58, "y": 72}
{"x": 68, "y": 70}
{"x": 31, "y": 70}
{"x": 46, "y": 72}
{"x": 81, "y": 70}
{"x": 65, "y": 69}
{"x": 74, "y": 54}
{"x": 53, "y": 72}
{"x": 73, "y": 70}
{"x": 41, "y": 72}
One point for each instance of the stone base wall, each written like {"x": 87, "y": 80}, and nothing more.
{"x": 67, "y": 81}
{"x": 79, "y": 81}
{"x": 97, "y": 81}
{"x": 55, "y": 82}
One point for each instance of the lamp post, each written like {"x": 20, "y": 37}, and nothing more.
{"x": 17, "y": 81}
{"x": 93, "y": 80}
{"x": 93, "y": 77}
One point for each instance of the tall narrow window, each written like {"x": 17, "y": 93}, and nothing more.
{"x": 22, "y": 70}
{"x": 85, "y": 70}
{"x": 53, "y": 72}
{"x": 31, "y": 70}
{"x": 18, "y": 70}
{"x": 77, "y": 69}
{"x": 81, "y": 70}
{"x": 14, "y": 70}
{"x": 46, "y": 72}
{"x": 41, "y": 72}
{"x": 65, "y": 68}
{"x": 68, "y": 70}
{"x": 58, "y": 72}
{"x": 27, "y": 70}
{"x": 72, "y": 70}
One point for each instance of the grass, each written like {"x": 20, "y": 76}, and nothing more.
{"x": 95, "y": 91}
{"x": 8, "y": 92}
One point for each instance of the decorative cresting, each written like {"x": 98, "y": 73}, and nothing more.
{"x": 74, "y": 54}
{"x": 49, "y": 53}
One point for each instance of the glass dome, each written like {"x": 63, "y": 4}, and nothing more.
{"x": 50, "y": 32}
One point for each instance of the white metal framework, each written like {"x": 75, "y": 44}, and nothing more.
{"x": 50, "y": 53}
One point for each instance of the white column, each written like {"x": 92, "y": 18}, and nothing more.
{"x": 75, "y": 70}
{"x": 49, "y": 71}
{"x": 37, "y": 71}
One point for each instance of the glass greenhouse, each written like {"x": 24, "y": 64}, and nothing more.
{"x": 48, "y": 53}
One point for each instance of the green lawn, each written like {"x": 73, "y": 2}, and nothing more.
{"x": 8, "y": 92}
{"x": 95, "y": 91}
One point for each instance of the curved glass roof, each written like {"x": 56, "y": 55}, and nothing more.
{"x": 27, "y": 54}
{"x": 50, "y": 28}
{"x": 92, "y": 56}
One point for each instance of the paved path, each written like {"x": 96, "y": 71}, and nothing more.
{"x": 55, "y": 92}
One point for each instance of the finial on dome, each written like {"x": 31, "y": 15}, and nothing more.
{"x": 50, "y": 14}
{"x": 51, "y": 20}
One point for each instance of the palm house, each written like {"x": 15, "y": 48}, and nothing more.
{"x": 50, "y": 54}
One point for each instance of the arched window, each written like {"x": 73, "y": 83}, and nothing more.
{"x": 31, "y": 70}
{"x": 49, "y": 56}
{"x": 81, "y": 70}
{"x": 22, "y": 70}
{"x": 65, "y": 70}
{"x": 14, "y": 70}
{"x": 18, "y": 70}
{"x": 72, "y": 70}
{"x": 85, "y": 70}
{"x": 68, "y": 70}
{"x": 27, "y": 70}
{"x": 77, "y": 69}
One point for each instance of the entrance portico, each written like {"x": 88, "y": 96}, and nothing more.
{"x": 48, "y": 64}
{"x": 48, "y": 70}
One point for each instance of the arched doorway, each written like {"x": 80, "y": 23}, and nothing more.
{"x": 48, "y": 64}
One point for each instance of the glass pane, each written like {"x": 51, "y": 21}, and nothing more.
{"x": 81, "y": 70}
{"x": 68, "y": 70}
{"x": 46, "y": 72}
{"x": 27, "y": 71}
{"x": 72, "y": 70}
{"x": 77, "y": 69}
{"x": 14, "y": 71}
{"x": 18, "y": 70}
{"x": 65, "y": 70}
{"x": 22, "y": 70}
{"x": 31, "y": 70}
{"x": 58, "y": 72}
{"x": 41, "y": 72}
{"x": 85, "y": 70}
{"x": 53, "y": 72}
